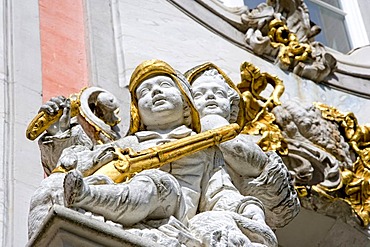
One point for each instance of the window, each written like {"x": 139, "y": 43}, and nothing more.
{"x": 253, "y": 3}
{"x": 342, "y": 27}
{"x": 328, "y": 15}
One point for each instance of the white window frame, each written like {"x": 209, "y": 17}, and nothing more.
{"x": 355, "y": 23}
{"x": 353, "y": 20}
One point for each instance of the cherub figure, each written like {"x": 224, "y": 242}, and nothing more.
{"x": 162, "y": 110}
{"x": 66, "y": 139}
{"x": 253, "y": 172}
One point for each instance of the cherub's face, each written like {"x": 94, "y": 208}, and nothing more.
{"x": 159, "y": 101}
{"x": 210, "y": 96}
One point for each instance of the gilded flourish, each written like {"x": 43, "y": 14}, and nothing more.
{"x": 291, "y": 50}
{"x": 98, "y": 122}
{"x": 259, "y": 119}
{"x": 356, "y": 180}
{"x": 43, "y": 120}
{"x": 354, "y": 185}
{"x": 129, "y": 162}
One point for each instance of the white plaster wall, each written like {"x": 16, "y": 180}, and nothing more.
{"x": 364, "y": 7}
{"x": 157, "y": 29}
{"x": 20, "y": 96}
{"x": 123, "y": 33}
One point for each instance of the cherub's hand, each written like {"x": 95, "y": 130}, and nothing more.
{"x": 52, "y": 107}
{"x": 104, "y": 157}
{"x": 254, "y": 212}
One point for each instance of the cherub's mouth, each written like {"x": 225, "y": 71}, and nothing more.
{"x": 158, "y": 100}
{"x": 211, "y": 104}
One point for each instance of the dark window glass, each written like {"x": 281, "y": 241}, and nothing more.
{"x": 253, "y": 3}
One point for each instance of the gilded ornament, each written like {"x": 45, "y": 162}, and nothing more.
{"x": 291, "y": 50}
{"x": 259, "y": 119}
{"x": 95, "y": 124}
{"x": 355, "y": 181}
{"x": 130, "y": 162}
{"x": 43, "y": 120}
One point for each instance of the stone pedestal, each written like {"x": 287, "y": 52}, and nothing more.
{"x": 68, "y": 228}
{"x": 311, "y": 229}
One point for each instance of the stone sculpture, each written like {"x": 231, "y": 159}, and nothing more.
{"x": 59, "y": 146}
{"x": 252, "y": 171}
{"x": 283, "y": 31}
{"x": 314, "y": 144}
{"x": 325, "y": 150}
{"x": 135, "y": 180}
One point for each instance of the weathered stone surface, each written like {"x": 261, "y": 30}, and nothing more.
{"x": 310, "y": 229}
{"x": 65, "y": 227}
{"x": 193, "y": 182}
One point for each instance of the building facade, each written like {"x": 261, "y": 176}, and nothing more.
{"x": 54, "y": 48}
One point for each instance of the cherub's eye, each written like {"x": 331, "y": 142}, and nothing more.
{"x": 221, "y": 93}
{"x": 143, "y": 92}
{"x": 197, "y": 95}
{"x": 166, "y": 84}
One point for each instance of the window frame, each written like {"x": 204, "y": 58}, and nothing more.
{"x": 353, "y": 21}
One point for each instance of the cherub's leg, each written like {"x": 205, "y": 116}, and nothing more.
{"x": 150, "y": 194}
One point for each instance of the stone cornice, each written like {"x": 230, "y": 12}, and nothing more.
{"x": 227, "y": 23}
{"x": 63, "y": 225}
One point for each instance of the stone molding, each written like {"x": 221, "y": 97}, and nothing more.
{"x": 227, "y": 23}
{"x": 7, "y": 126}
{"x": 66, "y": 227}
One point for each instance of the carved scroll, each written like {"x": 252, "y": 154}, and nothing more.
{"x": 282, "y": 29}
{"x": 96, "y": 110}
{"x": 326, "y": 151}
{"x": 259, "y": 120}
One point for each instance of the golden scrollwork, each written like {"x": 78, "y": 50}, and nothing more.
{"x": 259, "y": 119}
{"x": 290, "y": 47}
{"x": 355, "y": 180}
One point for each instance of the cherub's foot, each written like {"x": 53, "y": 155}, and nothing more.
{"x": 73, "y": 186}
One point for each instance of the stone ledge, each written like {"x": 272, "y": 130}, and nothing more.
{"x": 352, "y": 67}
{"x": 66, "y": 227}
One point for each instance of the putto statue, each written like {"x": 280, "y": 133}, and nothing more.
{"x": 253, "y": 171}
{"x": 184, "y": 169}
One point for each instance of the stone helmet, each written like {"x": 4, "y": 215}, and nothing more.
{"x": 148, "y": 69}
{"x": 238, "y": 108}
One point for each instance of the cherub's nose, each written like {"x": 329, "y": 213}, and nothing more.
{"x": 210, "y": 95}
{"x": 156, "y": 90}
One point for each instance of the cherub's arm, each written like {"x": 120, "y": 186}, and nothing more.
{"x": 88, "y": 161}
{"x": 244, "y": 156}
{"x": 63, "y": 133}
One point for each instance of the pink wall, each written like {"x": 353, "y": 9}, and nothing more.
{"x": 63, "y": 47}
